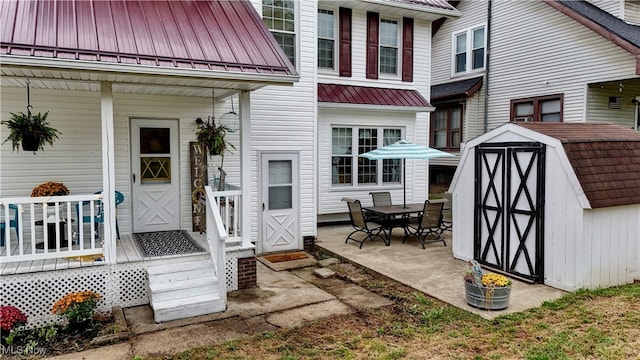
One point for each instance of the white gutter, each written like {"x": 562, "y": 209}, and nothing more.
{"x": 419, "y": 8}
{"x": 107, "y": 67}
{"x": 407, "y": 109}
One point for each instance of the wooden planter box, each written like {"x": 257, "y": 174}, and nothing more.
{"x": 487, "y": 298}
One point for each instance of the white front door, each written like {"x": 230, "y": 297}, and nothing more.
{"x": 155, "y": 175}
{"x": 280, "y": 215}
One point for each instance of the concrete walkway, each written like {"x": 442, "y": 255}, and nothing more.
{"x": 282, "y": 299}
{"x": 433, "y": 271}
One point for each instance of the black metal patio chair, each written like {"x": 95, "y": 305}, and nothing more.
{"x": 367, "y": 229}
{"x": 446, "y": 222}
{"x": 426, "y": 230}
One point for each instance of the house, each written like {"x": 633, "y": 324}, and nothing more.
{"x": 553, "y": 203}
{"x": 125, "y": 83}
{"x": 530, "y": 61}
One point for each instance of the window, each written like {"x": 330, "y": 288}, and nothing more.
{"x": 279, "y": 15}
{"x": 326, "y": 39}
{"x": 388, "y": 47}
{"x": 446, "y": 127}
{"x": 545, "y": 109}
{"x": 350, "y": 169}
{"x": 469, "y": 50}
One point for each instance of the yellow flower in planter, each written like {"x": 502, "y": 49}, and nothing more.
{"x": 495, "y": 280}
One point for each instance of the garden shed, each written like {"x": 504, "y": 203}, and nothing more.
{"x": 553, "y": 203}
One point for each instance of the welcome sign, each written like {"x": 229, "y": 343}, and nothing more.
{"x": 198, "y": 180}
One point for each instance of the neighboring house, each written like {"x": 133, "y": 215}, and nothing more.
{"x": 502, "y": 61}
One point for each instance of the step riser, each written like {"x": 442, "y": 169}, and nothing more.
{"x": 173, "y": 268}
{"x": 181, "y": 276}
{"x": 182, "y": 293}
{"x": 187, "y": 311}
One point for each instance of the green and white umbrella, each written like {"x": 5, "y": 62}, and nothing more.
{"x": 404, "y": 150}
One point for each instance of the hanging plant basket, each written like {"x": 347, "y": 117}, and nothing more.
{"x": 30, "y": 143}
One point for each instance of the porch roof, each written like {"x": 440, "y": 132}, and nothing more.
{"x": 456, "y": 89}
{"x": 358, "y": 96}
{"x": 605, "y": 158}
{"x": 206, "y": 39}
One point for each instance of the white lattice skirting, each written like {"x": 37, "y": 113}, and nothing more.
{"x": 123, "y": 285}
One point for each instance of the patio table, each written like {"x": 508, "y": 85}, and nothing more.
{"x": 397, "y": 215}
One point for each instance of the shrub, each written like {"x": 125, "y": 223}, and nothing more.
{"x": 77, "y": 307}
{"x": 11, "y": 317}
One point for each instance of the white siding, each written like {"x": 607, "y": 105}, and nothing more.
{"x": 613, "y": 7}
{"x": 632, "y": 12}
{"x": 598, "y": 102}
{"x": 76, "y": 159}
{"x": 536, "y": 50}
{"x": 329, "y": 201}
{"x": 283, "y": 119}
{"x": 612, "y": 247}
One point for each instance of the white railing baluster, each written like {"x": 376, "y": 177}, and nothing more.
{"x": 32, "y": 225}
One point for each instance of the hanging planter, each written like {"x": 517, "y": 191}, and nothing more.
{"x": 211, "y": 136}
{"x": 31, "y": 131}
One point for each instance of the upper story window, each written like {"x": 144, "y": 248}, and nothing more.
{"x": 543, "y": 108}
{"x": 326, "y": 39}
{"x": 388, "y": 47}
{"x": 446, "y": 127}
{"x": 469, "y": 50}
{"x": 348, "y": 169}
{"x": 279, "y": 15}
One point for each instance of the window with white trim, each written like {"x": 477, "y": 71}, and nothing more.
{"x": 389, "y": 47}
{"x": 446, "y": 127}
{"x": 279, "y": 16}
{"x": 469, "y": 50}
{"x": 348, "y": 169}
{"x": 326, "y": 39}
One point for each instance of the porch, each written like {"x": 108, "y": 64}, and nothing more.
{"x": 433, "y": 270}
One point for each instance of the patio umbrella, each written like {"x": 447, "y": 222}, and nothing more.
{"x": 404, "y": 150}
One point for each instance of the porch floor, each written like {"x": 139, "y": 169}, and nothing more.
{"x": 433, "y": 270}
{"x": 126, "y": 251}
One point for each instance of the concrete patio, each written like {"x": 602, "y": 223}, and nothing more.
{"x": 433, "y": 270}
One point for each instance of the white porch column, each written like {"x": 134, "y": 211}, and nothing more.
{"x": 245, "y": 168}
{"x": 108, "y": 172}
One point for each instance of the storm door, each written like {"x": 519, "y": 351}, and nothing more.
{"x": 155, "y": 180}
{"x": 280, "y": 214}
{"x": 509, "y": 208}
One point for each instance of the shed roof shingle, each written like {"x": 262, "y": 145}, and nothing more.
{"x": 604, "y": 156}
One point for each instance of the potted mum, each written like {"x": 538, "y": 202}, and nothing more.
{"x": 32, "y": 131}
{"x": 486, "y": 290}
{"x": 11, "y": 318}
{"x": 78, "y": 308}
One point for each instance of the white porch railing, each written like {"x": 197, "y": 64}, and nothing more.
{"x": 216, "y": 237}
{"x": 228, "y": 202}
{"x": 42, "y": 228}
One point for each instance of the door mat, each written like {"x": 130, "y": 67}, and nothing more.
{"x": 164, "y": 243}
{"x": 86, "y": 258}
{"x": 286, "y": 257}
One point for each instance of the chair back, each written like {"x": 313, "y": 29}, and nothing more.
{"x": 381, "y": 198}
{"x": 447, "y": 208}
{"x": 356, "y": 214}
{"x": 119, "y": 198}
{"x": 431, "y": 213}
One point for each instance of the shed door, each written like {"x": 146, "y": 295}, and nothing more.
{"x": 509, "y": 208}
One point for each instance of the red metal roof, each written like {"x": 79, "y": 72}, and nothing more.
{"x": 225, "y": 36}
{"x": 347, "y": 94}
{"x": 605, "y": 158}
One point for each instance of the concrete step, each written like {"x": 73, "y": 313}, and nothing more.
{"x": 187, "y": 307}
{"x": 182, "y": 290}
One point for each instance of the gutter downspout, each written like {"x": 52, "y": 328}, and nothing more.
{"x": 486, "y": 71}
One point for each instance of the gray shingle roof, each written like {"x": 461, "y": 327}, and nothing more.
{"x": 461, "y": 88}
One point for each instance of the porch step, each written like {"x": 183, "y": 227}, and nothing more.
{"x": 183, "y": 290}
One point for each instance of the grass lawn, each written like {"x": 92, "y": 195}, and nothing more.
{"x": 599, "y": 324}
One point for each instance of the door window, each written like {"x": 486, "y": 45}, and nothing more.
{"x": 280, "y": 184}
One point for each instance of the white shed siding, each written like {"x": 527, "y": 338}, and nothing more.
{"x": 473, "y": 13}
{"x": 527, "y": 38}
{"x": 612, "y": 239}
{"x": 329, "y": 202}
{"x": 613, "y": 7}
{"x": 598, "y": 102}
{"x": 283, "y": 119}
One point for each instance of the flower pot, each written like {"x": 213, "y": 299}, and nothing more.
{"x": 496, "y": 298}
{"x": 30, "y": 143}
